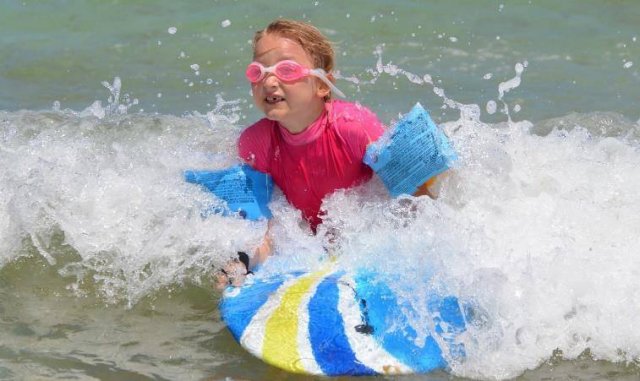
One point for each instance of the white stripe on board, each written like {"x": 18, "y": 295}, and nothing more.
{"x": 367, "y": 350}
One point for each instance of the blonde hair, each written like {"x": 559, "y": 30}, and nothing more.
{"x": 314, "y": 43}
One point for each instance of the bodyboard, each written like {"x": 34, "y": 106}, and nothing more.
{"x": 334, "y": 323}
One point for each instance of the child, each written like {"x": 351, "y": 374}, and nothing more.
{"x": 310, "y": 143}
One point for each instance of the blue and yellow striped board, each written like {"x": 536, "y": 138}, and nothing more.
{"x": 334, "y": 323}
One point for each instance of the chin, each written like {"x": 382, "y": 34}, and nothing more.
{"x": 275, "y": 115}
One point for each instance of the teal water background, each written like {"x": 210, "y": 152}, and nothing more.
{"x": 576, "y": 50}
{"x": 105, "y": 265}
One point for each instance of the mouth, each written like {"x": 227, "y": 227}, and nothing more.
{"x": 273, "y": 99}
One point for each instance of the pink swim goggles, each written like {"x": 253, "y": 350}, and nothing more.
{"x": 288, "y": 71}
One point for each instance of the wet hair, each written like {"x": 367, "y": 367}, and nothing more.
{"x": 314, "y": 43}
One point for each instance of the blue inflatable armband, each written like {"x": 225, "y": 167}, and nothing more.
{"x": 245, "y": 190}
{"x": 411, "y": 153}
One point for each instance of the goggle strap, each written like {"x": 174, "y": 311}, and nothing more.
{"x": 320, "y": 73}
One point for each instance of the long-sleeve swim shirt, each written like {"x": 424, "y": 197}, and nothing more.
{"x": 310, "y": 165}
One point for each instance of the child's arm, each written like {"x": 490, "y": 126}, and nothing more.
{"x": 253, "y": 148}
{"x": 425, "y": 189}
{"x": 235, "y": 271}
{"x": 264, "y": 250}
{"x": 432, "y": 187}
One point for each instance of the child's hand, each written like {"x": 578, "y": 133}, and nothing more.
{"x": 233, "y": 273}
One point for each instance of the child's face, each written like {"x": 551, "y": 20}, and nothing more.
{"x": 295, "y": 105}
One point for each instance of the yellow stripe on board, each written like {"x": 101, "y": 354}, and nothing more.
{"x": 280, "y": 346}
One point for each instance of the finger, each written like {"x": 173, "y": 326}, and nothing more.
{"x": 222, "y": 282}
{"x": 238, "y": 280}
{"x": 222, "y": 279}
{"x": 233, "y": 274}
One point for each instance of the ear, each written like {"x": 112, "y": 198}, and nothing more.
{"x": 322, "y": 90}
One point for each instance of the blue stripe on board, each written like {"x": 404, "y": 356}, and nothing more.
{"x": 238, "y": 310}
{"x": 381, "y": 308}
{"x": 329, "y": 343}
{"x": 448, "y": 311}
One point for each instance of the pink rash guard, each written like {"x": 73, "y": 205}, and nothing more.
{"x": 324, "y": 157}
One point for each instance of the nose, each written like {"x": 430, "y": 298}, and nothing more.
{"x": 270, "y": 80}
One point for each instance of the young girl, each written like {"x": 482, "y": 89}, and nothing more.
{"x": 309, "y": 142}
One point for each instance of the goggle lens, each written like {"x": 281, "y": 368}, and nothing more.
{"x": 254, "y": 72}
{"x": 289, "y": 71}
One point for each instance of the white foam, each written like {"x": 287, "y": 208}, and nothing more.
{"x": 491, "y": 107}
{"x": 538, "y": 231}
{"x": 113, "y": 185}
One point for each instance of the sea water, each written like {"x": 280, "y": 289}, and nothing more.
{"x": 106, "y": 261}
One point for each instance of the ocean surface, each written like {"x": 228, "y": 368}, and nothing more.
{"x": 106, "y": 263}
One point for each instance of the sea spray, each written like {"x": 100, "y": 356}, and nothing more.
{"x": 111, "y": 184}
{"x": 535, "y": 232}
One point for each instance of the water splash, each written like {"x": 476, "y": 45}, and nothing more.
{"x": 110, "y": 185}
{"x": 468, "y": 112}
{"x": 528, "y": 229}
{"x": 115, "y": 105}
{"x": 225, "y": 112}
